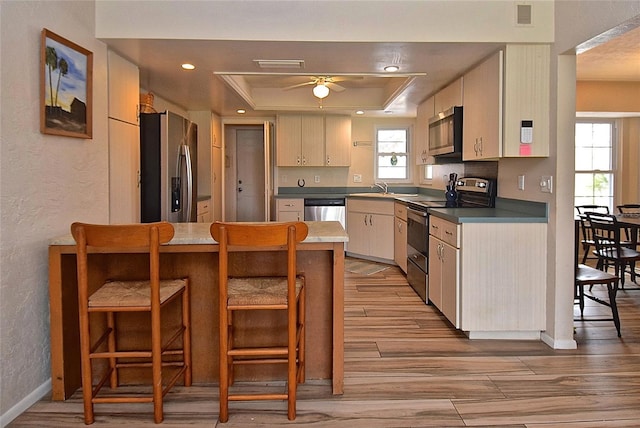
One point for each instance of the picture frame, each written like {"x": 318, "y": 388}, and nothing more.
{"x": 66, "y": 87}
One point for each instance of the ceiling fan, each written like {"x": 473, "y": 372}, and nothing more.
{"x": 322, "y": 84}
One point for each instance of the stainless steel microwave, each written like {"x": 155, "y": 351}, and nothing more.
{"x": 445, "y": 133}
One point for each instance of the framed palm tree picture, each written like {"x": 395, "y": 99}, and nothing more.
{"x": 66, "y": 85}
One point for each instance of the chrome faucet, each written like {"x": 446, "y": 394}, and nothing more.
{"x": 382, "y": 186}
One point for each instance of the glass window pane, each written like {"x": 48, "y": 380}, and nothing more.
{"x": 392, "y": 153}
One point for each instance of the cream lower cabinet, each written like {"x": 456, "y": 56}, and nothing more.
{"x": 400, "y": 236}
{"x": 370, "y": 225}
{"x": 290, "y": 209}
{"x": 204, "y": 211}
{"x": 444, "y": 255}
{"x": 497, "y": 277}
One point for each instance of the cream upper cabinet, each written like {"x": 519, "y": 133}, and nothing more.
{"x": 124, "y": 89}
{"x": 482, "y": 123}
{"x": 300, "y": 140}
{"x": 526, "y": 90}
{"x": 337, "y": 141}
{"x": 506, "y": 93}
{"x": 313, "y": 140}
{"x": 425, "y": 112}
{"x": 449, "y": 96}
{"x": 124, "y": 172}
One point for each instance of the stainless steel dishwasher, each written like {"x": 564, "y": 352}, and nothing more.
{"x": 325, "y": 209}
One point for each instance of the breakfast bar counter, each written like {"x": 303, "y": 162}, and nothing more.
{"x": 193, "y": 253}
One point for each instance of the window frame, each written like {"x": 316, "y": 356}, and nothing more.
{"x": 407, "y": 154}
{"x": 614, "y": 168}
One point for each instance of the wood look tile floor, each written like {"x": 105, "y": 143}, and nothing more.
{"x": 406, "y": 367}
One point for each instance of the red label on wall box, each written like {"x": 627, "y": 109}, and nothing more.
{"x": 525, "y": 149}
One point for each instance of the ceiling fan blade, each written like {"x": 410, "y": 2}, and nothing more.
{"x": 298, "y": 85}
{"x": 344, "y": 78}
{"x": 335, "y": 87}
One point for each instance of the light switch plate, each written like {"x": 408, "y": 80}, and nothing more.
{"x": 546, "y": 184}
{"x": 357, "y": 178}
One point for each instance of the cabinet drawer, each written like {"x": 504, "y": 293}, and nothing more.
{"x": 371, "y": 206}
{"x": 401, "y": 211}
{"x": 290, "y": 204}
{"x": 444, "y": 230}
{"x": 203, "y": 206}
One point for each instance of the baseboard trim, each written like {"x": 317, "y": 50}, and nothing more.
{"x": 25, "y": 403}
{"x": 558, "y": 344}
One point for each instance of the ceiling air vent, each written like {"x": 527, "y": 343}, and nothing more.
{"x": 279, "y": 63}
{"x": 523, "y": 14}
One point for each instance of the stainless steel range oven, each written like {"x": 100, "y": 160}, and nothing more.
{"x": 418, "y": 250}
{"x": 471, "y": 193}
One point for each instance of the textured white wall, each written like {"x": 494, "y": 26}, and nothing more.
{"x": 46, "y": 182}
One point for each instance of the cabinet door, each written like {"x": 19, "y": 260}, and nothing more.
{"x": 526, "y": 95}
{"x": 357, "y": 225}
{"x": 312, "y": 140}
{"x": 449, "y": 258}
{"x": 124, "y": 172}
{"x": 290, "y": 209}
{"x": 289, "y": 140}
{"x": 400, "y": 243}
{"x": 337, "y": 141}
{"x": 449, "y": 96}
{"x": 482, "y": 124}
{"x": 380, "y": 231}
{"x": 435, "y": 272}
{"x": 424, "y": 113}
{"x": 124, "y": 89}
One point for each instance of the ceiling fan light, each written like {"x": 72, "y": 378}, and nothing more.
{"x": 320, "y": 90}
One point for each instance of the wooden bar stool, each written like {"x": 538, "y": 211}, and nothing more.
{"x": 285, "y": 293}
{"x": 142, "y": 292}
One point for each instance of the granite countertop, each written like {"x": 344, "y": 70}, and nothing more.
{"x": 198, "y": 233}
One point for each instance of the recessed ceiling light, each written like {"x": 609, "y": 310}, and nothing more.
{"x": 391, "y": 68}
{"x": 359, "y": 112}
{"x": 188, "y": 66}
{"x": 241, "y": 111}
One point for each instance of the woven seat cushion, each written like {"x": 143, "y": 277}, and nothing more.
{"x": 259, "y": 290}
{"x": 133, "y": 293}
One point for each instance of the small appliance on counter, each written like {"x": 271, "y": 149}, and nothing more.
{"x": 451, "y": 194}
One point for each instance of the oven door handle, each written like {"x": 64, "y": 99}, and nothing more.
{"x": 417, "y": 216}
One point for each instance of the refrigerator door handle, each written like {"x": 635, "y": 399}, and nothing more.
{"x": 186, "y": 152}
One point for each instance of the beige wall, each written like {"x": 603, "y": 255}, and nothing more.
{"x": 595, "y": 96}
{"x": 46, "y": 183}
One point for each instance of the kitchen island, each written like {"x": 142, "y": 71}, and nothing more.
{"x": 193, "y": 253}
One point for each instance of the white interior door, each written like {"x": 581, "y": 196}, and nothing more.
{"x": 250, "y": 176}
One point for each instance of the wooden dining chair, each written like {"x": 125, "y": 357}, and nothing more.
{"x": 241, "y": 293}
{"x": 137, "y": 291}
{"x": 585, "y": 227}
{"x": 608, "y": 246}
{"x": 632, "y": 235}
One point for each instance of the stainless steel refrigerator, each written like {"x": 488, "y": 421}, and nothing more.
{"x": 168, "y": 168}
